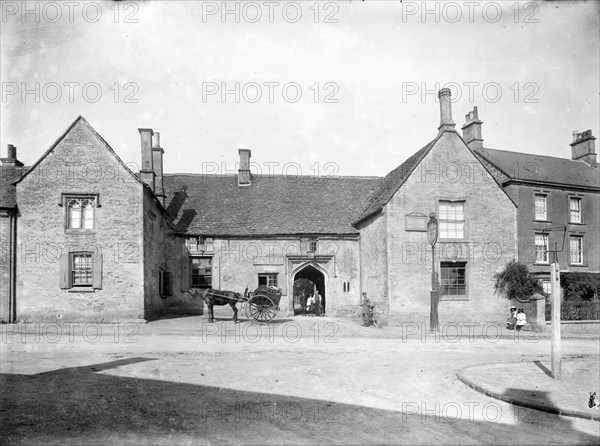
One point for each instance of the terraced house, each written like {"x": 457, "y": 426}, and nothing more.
{"x": 559, "y": 204}
{"x": 86, "y": 238}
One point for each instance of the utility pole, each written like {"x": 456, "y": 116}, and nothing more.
{"x": 555, "y": 278}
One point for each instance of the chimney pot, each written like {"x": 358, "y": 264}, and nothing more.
{"x": 446, "y": 122}
{"x": 156, "y": 139}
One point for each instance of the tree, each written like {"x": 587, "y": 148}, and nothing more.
{"x": 516, "y": 282}
{"x": 303, "y": 286}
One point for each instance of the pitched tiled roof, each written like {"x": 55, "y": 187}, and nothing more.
{"x": 9, "y": 173}
{"x": 392, "y": 182}
{"x": 539, "y": 168}
{"x": 272, "y": 205}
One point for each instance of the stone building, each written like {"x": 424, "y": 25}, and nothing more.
{"x": 84, "y": 237}
{"x": 477, "y": 223}
{"x": 91, "y": 238}
{"x": 242, "y": 231}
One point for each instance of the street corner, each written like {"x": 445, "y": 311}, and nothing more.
{"x": 530, "y": 384}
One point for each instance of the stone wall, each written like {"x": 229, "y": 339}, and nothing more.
{"x": 80, "y": 164}
{"x": 158, "y": 251}
{"x": 373, "y": 260}
{"x": 237, "y": 262}
{"x": 449, "y": 172}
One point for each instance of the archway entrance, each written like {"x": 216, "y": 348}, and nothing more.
{"x": 304, "y": 281}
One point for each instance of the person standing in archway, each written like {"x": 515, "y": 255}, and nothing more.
{"x": 310, "y": 304}
{"x": 317, "y": 303}
{"x": 303, "y": 299}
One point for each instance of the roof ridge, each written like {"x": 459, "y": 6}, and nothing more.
{"x": 388, "y": 187}
{"x": 531, "y": 154}
{"x": 232, "y": 175}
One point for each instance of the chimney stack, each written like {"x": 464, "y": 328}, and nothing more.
{"x": 157, "y": 161}
{"x": 244, "y": 176}
{"x": 147, "y": 170}
{"x": 11, "y": 157}
{"x": 12, "y": 152}
{"x": 472, "y": 130}
{"x": 583, "y": 148}
{"x": 446, "y": 122}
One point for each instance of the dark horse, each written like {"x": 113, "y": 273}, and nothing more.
{"x": 220, "y": 298}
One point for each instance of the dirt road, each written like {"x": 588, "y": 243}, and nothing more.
{"x": 301, "y": 381}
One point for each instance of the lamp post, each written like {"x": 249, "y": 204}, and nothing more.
{"x": 556, "y": 355}
{"x": 432, "y": 236}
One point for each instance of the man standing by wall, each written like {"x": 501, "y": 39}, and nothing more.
{"x": 367, "y": 306}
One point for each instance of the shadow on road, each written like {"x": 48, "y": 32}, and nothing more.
{"x": 81, "y": 405}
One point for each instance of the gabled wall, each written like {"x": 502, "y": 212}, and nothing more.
{"x": 80, "y": 163}
{"x": 449, "y": 171}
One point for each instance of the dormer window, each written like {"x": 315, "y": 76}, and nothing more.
{"x": 81, "y": 212}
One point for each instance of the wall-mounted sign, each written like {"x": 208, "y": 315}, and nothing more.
{"x": 415, "y": 221}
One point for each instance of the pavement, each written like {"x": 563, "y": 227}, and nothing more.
{"x": 529, "y": 384}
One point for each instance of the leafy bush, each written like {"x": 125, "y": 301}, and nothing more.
{"x": 580, "y": 286}
{"x": 516, "y": 282}
{"x": 576, "y": 311}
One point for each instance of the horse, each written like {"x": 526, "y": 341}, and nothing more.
{"x": 220, "y": 298}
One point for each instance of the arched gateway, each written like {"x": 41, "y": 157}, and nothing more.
{"x": 317, "y": 275}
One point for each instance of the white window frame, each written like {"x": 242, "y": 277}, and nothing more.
{"x": 578, "y": 212}
{"x": 448, "y": 219}
{"x": 539, "y": 246}
{"x": 543, "y": 215}
{"x": 271, "y": 278}
{"x": 84, "y": 222}
{"x": 82, "y": 269}
{"x": 465, "y": 285}
{"x": 577, "y": 251}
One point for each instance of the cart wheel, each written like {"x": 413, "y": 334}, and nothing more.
{"x": 247, "y": 308}
{"x": 377, "y": 319}
{"x": 260, "y": 308}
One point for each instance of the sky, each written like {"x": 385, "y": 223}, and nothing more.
{"x": 312, "y": 88}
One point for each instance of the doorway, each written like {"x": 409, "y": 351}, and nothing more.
{"x": 305, "y": 280}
